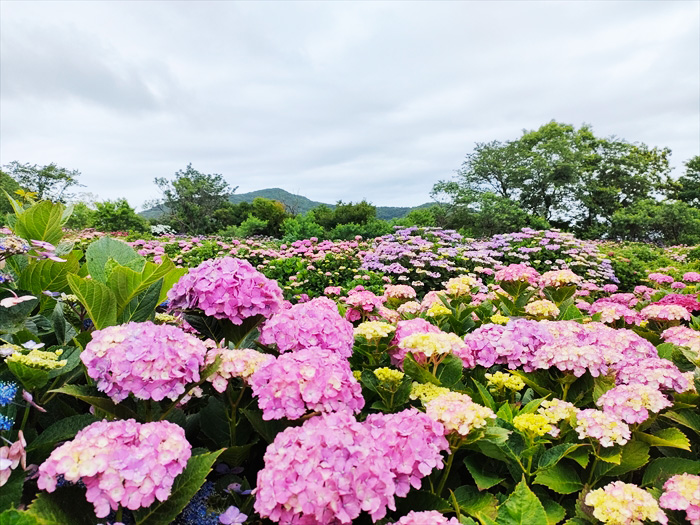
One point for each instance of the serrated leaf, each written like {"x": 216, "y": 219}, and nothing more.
{"x": 127, "y": 283}
{"x": 661, "y": 469}
{"x": 482, "y": 473}
{"x": 100, "y": 252}
{"x": 475, "y": 503}
{"x": 412, "y": 369}
{"x": 13, "y": 318}
{"x": 555, "y": 512}
{"x": 16, "y": 517}
{"x": 635, "y": 455}
{"x": 486, "y": 397}
{"x": 580, "y": 456}
{"x": 41, "y": 222}
{"x": 91, "y": 396}
{"x": 522, "y": 508}
{"x": 62, "y": 430}
{"x": 65, "y": 505}
{"x": 213, "y": 420}
{"x": 666, "y": 437}
{"x": 29, "y": 376}
{"x": 559, "y": 478}
{"x": 449, "y": 372}
{"x": 143, "y": 306}
{"x": 687, "y": 418}
{"x": 169, "y": 281}
{"x": 236, "y": 456}
{"x": 97, "y": 299}
{"x": 552, "y": 456}
{"x": 11, "y": 492}
{"x": 602, "y": 384}
{"x": 422, "y": 500}
{"x": 610, "y": 454}
{"x": 505, "y": 413}
{"x": 184, "y": 488}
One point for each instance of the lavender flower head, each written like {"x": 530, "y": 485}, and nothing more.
{"x": 148, "y": 360}
{"x": 227, "y": 288}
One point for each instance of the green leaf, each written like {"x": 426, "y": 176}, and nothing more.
{"x": 169, "y": 281}
{"x": 17, "y": 517}
{"x": 476, "y": 504}
{"x": 610, "y": 454}
{"x": 127, "y": 283}
{"x": 552, "y": 456}
{"x": 687, "y": 418}
{"x": 30, "y": 377}
{"x": 661, "y": 469}
{"x": 267, "y": 429}
{"x": 11, "y": 492}
{"x": 522, "y": 508}
{"x": 213, "y": 419}
{"x": 236, "y": 456}
{"x": 635, "y": 455}
{"x": 449, "y": 373}
{"x": 505, "y": 413}
{"x": 570, "y": 313}
{"x": 559, "y": 478}
{"x": 91, "y": 396}
{"x": 602, "y": 384}
{"x": 580, "y": 456}
{"x": 142, "y": 307}
{"x": 412, "y": 369}
{"x": 62, "y": 430}
{"x": 41, "y": 222}
{"x": 666, "y": 437}
{"x": 13, "y": 318}
{"x": 555, "y": 512}
{"x": 184, "y": 488}
{"x": 100, "y": 252}
{"x": 65, "y": 505}
{"x": 97, "y": 299}
{"x": 482, "y": 473}
{"x": 48, "y": 275}
{"x": 419, "y": 500}
{"x": 486, "y": 397}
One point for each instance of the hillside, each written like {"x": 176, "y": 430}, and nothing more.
{"x": 298, "y": 204}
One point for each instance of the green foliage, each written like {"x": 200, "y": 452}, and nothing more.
{"x": 253, "y": 226}
{"x": 83, "y": 217}
{"x": 301, "y": 227}
{"x": 687, "y": 187}
{"x": 664, "y": 223}
{"x": 49, "y": 182}
{"x": 117, "y": 215}
{"x": 42, "y": 221}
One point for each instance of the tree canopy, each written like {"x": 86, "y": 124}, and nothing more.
{"x": 49, "y": 182}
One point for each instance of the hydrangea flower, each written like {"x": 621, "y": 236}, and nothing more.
{"x": 689, "y": 302}
{"x": 374, "y": 330}
{"x": 513, "y": 345}
{"x": 426, "y": 391}
{"x": 518, "y": 272}
{"x": 542, "y": 308}
{"x": 226, "y": 288}
{"x": 458, "y": 413}
{"x": 362, "y": 304}
{"x": 606, "y": 428}
{"x": 403, "y": 330}
{"x": 426, "y": 517}
{"x": 8, "y": 391}
{"x": 656, "y": 372}
{"x": 611, "y": 311}
{"x": 502, "y": 380}
{"x": 691, "y": 277}
{"x": 660, "y": 278}
{"x": 632, "y": 403}
{"x": 316, "y": 323}
{"x": 308, "y": 379}
{"x": 683, "y": 336}
{"x": 556, "y": 278}
{"x": 120, "y": 462}
{"x": 145, "y": 359}
{"x": 665, "y": 312}
{"x": 461, "y": 286}
{"x": 535, "y": 425}
{"x": 331, "y": 468}
{"x": 12, "y": 456}
{"x": 682, "y": 492}
{"x": 409, "y": 308}
{"x": 569, "y": 355}
{"x": 399, "y": 291}
{"x": 620, "y": 503}
{"x": 433, "y": 347}
{"x": 235, "y": 362}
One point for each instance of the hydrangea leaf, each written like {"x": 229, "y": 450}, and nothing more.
{"x": 98, "y": 300}
{"x": 559, "y": 478}
{"x": 522, "y": 507}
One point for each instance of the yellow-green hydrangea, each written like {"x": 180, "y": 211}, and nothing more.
{"x": 620, "y": 503}
{"x": 437, "y": 309}
{"x": 497, "y": 318}
{"x": 542, "y": 308}
{"x": 389, "y": 375}
{"x": 374, "y": 330}
{"x": 535, "y": 425}
{"x": 502, "y": 380}
{"x": 460, "y": 286}
{"x": 426, "y": 391}
{"x": 41, "y": 359}
{"x": 165, "y": 318}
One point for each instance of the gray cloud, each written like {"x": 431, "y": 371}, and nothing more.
{"x": 375, "y": 100}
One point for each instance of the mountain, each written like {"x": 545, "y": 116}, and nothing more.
{"x": 298, "y": 204}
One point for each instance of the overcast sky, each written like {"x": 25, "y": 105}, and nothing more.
{"x": 333, "y": 100}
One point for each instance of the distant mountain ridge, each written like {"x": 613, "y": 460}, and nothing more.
{"x": 298, "y": 204}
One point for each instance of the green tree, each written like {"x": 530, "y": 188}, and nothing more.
{"x": 191, "y": 200}
{"x": 49, "y": 182}
{"x": 664, "y": 223}
{"x": 272, "y": 212}
{"x": 687, "y": 187}
{"x": 117, "y": 215}
{"x": 9, "y": 185}
{"x": 83, "y": 216}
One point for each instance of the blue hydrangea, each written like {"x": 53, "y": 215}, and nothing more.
{"x": 196, "y": 511}
{"x": 8, "y": 391}
{"x": 5, "y": 422}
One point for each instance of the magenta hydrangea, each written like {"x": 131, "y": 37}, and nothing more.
{"x": 309, "y": 379}
{"x": 145, "y": 359}
{"x": 122, "y": 463}
{"x": 518, "y": 272}
{"x": 362, "y": 304}
{"x": 332, "y": 468}
{"x": 689, "y": 302}
{"x": 316, "y": 323}
{"x": 226, "y": 288}
{"x": 514, "y": 344}
{"x": 426, "y": 517}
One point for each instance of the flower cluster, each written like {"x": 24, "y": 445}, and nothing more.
{"x": 35, "y": 358}
{"x": 518, "y": 272}
{"x": 362, "y": 304}
{"x": 535, "y": 425}
{"x": 458, "y": 413}
{"x": 426, "y": 517}
{"x": 689, "y": 302}
{"x": 620, "y": 503}
{"x": 148, "y": 360}
{"x": 120, "y": 462}
{"x": 403, "y": 330}
{"x": 332, "y": 467}
{"x": 226, "y": 288}
{"x": 426, "y": 391}
{"x": 542, "y": 308}
{"x": 316, "y": 323}
{"x": 309, "y": 379}
{"x": 12, "y": 456}
{"x": 502, "y": 380}
{"x": 665, "y": 312}
{"x": 8, "y": 391}
{"x": 374, "y": 330}
{"x": 399, "y": 291}
{"x": 683, "y": 336}
{"x": 611, "y": 311}
{"x": 557, "y": 278}
{"x": 632, "y": 403}
{"x": 461, "y": 286}
{"x": 235, "y": 362}
{"x": 606, "y": 428}
{"x": 433, "y": 347}
{"x": 656, "y": 372}
{"x": 682, "y": 492}
{"x": 513, "y": 344}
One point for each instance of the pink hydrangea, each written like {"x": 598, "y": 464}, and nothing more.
{"x": 518, "y": 272}
{"x": 683, "y": 336}
{"x": 235, "y": 362}
{"x": 632, "y": 403}
{"x": 309, "y": 379}
{"x": 665, "y": 312}
{"x": 362, "y": 304}
{"x": 607, "y": 428}
{"x": 226, "y": 288}
{"x": 620, "y": 503}
{"x": 677, "y": 285}
{"x": 145, "y": 359}
{"x": 568, "y": 355}
{"x": 691, "y": 277}
{"x": 556, "y": 278}
{"x": 628, "y": 299}
{"x": 458, "y": 413}
{"x": 331, "y": 468}
{"x": 610, "y": 312}
{"x": 316, "y": 323}
{"x": 644, "y": 291}
{"x": 403, "y": 330}
{"x": 689, "y": 302}
{"x": 122, "y": 463}
{"x": 682, "y": 492}
{"x": 426, "y": 517}
{"x": 654, "y": 371}
{"x": 660, "y": 278}
{"x": 399, "y": 291}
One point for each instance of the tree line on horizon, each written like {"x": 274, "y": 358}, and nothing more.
{"x": 556, "y": 176}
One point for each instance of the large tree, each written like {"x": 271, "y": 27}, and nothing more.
{"x": 559, "y": 173}
{"x": 687, "y": 187}
{"x": 50, "y": 182}
{"x": 192, "y": 198}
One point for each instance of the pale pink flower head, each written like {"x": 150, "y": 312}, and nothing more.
{"x": 683, "y": 336}
{"x": 403, "y": 330}
{"x": 655, "y": 371}
{"x": 399, "y": 291}
{"x": 557, "y": 278}
{"x": 362, "y": 305}
{"x": 518, "y": 272}
{"x": 611, "y": 311}
{"x": 145, "y": 359}
{"x": 665, "y": 312}
{"x": 310, "y": 379}
{"x": 620, "y": 503}
{"x": 632, "y": 403}
{"x": 235, "y": 362}
{"x": 691, "y": 277}
{"x": 660, "y": 278}
{"x": 682, "y": 492}
{"x": 226, "y": 288}
{"x": 689, "y": 302}
{"x": 458, "y": 413}
{"x": 122, "y": 463}
{"x": 316, "y": 323}
{"x": 426, "y": 517}
{"x": 606, "y": 428}
{"x": 11, "y": 457}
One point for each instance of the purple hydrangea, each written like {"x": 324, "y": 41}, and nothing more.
{"x": 145, "y": 359}
{"x": 226, "y": 288}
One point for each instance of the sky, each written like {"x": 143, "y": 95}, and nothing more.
{"x": 333, "y": 100}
